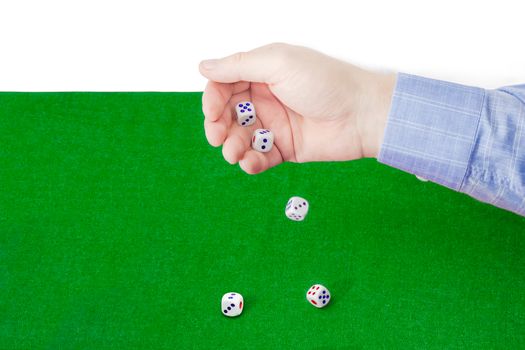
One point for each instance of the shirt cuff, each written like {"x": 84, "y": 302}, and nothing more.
{"x": 431, "y": 128}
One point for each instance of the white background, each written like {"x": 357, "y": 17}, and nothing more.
{"x": 155, "y": 45}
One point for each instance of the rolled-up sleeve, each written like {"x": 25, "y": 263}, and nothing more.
{"x": 466, "y": 138}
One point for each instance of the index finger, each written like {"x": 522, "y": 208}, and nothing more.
{"x": 217, "y": 95}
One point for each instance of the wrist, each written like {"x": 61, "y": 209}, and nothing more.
{"x": 376, "y": 107}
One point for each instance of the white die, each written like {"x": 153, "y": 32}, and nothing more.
{"x": 318, "y": 295}
{"x": 232, "y": 304}
{"x": 245, "y": 113}
{"x": 262, "y": 140}
{"x": 296, "y": 208}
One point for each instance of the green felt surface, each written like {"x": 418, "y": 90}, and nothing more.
{"x": 120, "y": 227}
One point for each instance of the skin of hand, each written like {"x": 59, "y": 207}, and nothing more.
{"x": 319, "y": 108}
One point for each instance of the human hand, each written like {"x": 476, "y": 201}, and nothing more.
{"x": 319, "y": 108}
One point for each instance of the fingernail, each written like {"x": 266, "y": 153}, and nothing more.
{"x": 209, "y": 64}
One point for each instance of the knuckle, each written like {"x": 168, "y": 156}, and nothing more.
{"x": 239, "y": 57}
{"x": 278, "y": 46}
{"x": 281, "y": 53}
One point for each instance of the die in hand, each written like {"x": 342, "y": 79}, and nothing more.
{"x": 245, "y": 113}
{"x": 262, "y": 140}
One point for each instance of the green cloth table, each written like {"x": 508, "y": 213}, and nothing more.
{"x": 120, "y": 227}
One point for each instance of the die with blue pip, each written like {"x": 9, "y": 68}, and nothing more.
{"x": 262, "y": 140}
{"x": 296, "y": 208}
{"x": 245, "y": 113}
{"x": 318, "y": 296}
{"x": 232, "y": 304}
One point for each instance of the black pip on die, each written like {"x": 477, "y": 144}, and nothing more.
{"x": 262, "y": 140}
{"x": 318, "y": 295}
{"x": 245, "y": 113}
{"x": 296, "y": 208}
{"x": 232, "y": 304}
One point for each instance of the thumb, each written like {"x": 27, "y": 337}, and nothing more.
{"x": 260, "y": 65}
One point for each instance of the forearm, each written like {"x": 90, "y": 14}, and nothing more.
{"x": 468, "y": 139}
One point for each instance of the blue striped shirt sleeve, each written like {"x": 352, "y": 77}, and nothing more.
{"x": 466, "y": 138}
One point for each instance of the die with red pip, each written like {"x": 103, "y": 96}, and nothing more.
{"x": 262, "y": 140}
{"x": 318, "y": 295}
{"x": 232, "y": 304}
